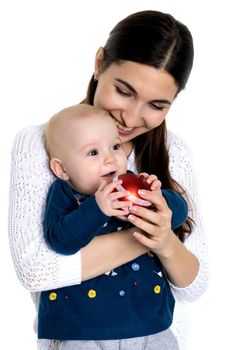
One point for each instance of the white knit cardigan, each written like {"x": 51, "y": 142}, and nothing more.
{"x": 39, "y": 268}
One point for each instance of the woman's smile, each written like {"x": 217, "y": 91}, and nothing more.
{"x": 123, "y": 130}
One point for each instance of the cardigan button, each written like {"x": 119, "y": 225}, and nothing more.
{"x": 135, "y": 266}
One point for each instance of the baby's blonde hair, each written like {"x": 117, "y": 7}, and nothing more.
{"x": 57, "y": 130}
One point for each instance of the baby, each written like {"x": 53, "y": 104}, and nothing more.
{"x": 86, "y": 155}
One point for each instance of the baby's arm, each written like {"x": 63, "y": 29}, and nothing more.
{"x": 69, "y": 226}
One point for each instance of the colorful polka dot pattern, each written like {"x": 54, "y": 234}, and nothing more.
{"x": 92, "y": 293}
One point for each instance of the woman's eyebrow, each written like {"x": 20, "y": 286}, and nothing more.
{"x": 127, "y": 85}
{"x": 135, "y": 92}
{"x": 163, "y": 101}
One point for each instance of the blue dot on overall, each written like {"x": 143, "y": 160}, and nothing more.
{"x": 135, "y": 266}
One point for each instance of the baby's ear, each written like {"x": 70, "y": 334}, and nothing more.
{"x": 58, "y": 169}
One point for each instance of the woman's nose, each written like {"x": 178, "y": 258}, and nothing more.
{"x": 132, "y": 116}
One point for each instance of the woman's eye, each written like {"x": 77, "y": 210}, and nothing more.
{"x": 122, "y": 92}
{"x": 93, "y": 152}
{"x": 157, "y": 107}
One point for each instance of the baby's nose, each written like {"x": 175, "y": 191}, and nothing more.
{"x": 108, "y": 159}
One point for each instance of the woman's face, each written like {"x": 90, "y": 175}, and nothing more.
{"x": 137, "y": 96}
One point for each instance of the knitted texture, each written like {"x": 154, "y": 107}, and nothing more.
{"x": 38, "y": 267}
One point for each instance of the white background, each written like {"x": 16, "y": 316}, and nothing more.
{"x": 47, "y": 57}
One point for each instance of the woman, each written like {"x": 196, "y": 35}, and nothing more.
{"x": 144, "y": 64}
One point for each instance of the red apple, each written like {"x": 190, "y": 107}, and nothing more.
{"x": 132, "y": 183}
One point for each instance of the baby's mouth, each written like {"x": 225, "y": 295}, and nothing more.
{"x": 109, "y": 175}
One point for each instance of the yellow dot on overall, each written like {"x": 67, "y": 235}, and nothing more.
{"x": 157, "y": 289}
{"x": 53, "y": 296}
{"x": 91, "y": 293}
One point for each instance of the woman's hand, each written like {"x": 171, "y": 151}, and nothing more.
{"x": 156, "y": 223}
{"x": 180, "y": 264}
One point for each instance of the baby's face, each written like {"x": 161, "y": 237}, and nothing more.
{"x": 93, "y": 153}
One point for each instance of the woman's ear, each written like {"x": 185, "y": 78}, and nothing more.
{"x": 99, "y": 57}
{"x": 58, "y": 169}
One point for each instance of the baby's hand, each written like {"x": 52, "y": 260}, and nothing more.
{"x": 152, "y": 180}
{"x": 109, "y": 202}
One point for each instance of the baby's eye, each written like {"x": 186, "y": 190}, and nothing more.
{"x": 93, "y": 152}
{"x": 116, "y": 146}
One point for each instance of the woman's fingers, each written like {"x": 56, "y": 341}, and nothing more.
{"x": 155, "y": 198}
{"x": 145, "y": 240}
{"x": 149, "y": 220}
{"x": 145, "y": 213}
{"x": 143, "y": 225}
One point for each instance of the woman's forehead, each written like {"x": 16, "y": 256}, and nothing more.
{"x": 144, "y": 79}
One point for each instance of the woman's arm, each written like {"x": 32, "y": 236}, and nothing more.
{"x": 183, "y": 171}
{"x": 37, "y": 266}
{"x": 185, "y": 264}
{"x": 181, "y": 265}
{"x": 106, "y": 252}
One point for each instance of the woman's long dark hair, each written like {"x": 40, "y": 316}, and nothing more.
{"x": 158, "y": 40}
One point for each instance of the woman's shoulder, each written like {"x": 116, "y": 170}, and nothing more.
{"x": 178, "y": 149}
{"x": 30, "y": 133}
{"x": 176, "y": 144}
{"x": 30, "y": 139}
{"x": 29, "y": 160}
{"x": 180, "y": 157}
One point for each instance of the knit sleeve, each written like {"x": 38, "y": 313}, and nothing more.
{"x": 37, "y": 266}
{"x": 183, "y": 171}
